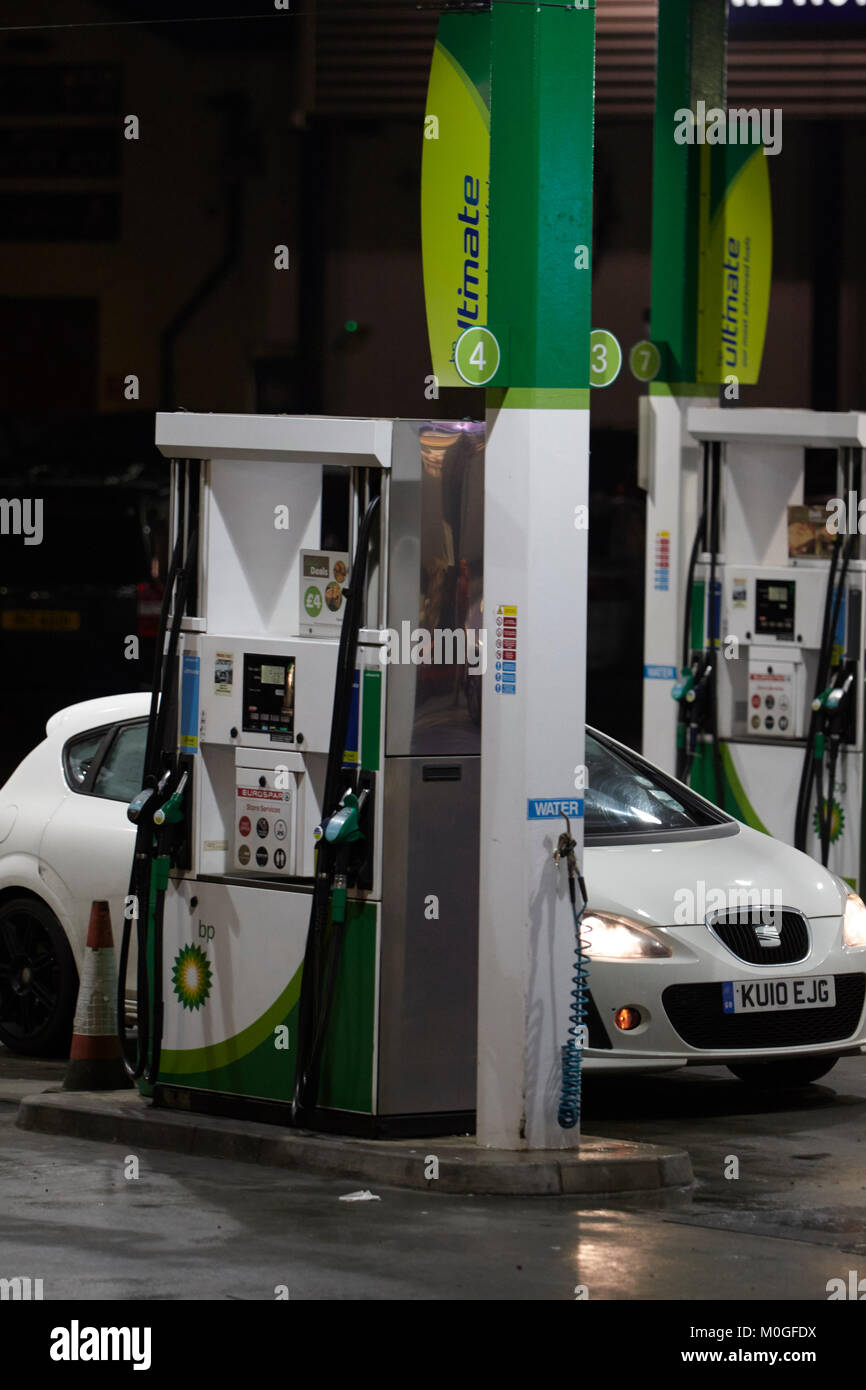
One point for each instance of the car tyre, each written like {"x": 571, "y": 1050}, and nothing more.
{"x": 783, "y": 1073}
{"x": 38, "y": 980}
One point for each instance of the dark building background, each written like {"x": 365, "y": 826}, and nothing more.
{"x": 153, "y": 258}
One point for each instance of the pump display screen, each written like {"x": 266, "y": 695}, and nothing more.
{"x": 269, "y": 696}
{"x": 774, "y": 607}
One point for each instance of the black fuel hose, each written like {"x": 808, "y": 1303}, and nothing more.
{"x": 684, "y": 761}
{"x": 133, "y": 1058}
{"x": 832, "y": 607}
{"x": 827, "y": 816}
{"x": 807, "y": 775}
{"x": 690, "y": 579}
{"x": 324, "y": 948}
{"x": 715, "y": 636}
{"x": 136, "y": 1060}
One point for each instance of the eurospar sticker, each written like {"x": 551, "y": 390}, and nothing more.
{"x": 264, "y": 828}
{"x": 771, "y": 695}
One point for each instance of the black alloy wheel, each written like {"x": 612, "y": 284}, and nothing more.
{"x": 38, "y": 980}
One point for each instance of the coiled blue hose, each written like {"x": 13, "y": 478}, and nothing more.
{"x": 572, "y": 1051}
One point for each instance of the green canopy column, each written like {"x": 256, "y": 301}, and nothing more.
{"x": 690, "y": 67}
{"x": 535, "y": 559}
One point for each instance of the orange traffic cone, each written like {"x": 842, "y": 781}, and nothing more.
{"x": 95, "y": 1058}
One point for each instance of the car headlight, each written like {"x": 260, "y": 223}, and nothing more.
{"x": 615, "y": 938}
{"x": 854, "y": 922}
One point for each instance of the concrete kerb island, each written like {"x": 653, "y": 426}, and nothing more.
{"x": 599, "y": 1166}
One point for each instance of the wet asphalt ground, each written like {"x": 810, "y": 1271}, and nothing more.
{"x": 792, "y": 1218}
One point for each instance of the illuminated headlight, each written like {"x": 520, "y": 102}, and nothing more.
{"x": 614, "y": 938}
{"x": 854, "y": 928}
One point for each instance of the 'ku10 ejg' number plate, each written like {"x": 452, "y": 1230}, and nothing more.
{"x": 756, "y": 996}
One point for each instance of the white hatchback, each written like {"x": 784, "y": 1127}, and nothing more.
{"x": 708, "y": 942}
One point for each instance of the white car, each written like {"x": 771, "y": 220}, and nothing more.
{"x": 64, "y": 841}
{"x": 708, "y": 942}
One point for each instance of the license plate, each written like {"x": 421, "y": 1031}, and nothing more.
{"x": 40, "y": 620}
{"x": 773, "y": 996}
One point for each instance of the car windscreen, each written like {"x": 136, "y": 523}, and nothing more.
{"x": 626, "y": 796}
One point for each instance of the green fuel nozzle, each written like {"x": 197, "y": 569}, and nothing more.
{"x": 343, "y": 827}
{"x": 831, "y": 699}
{"x": 171, "y": 812}
{"x": 684, "y": 686}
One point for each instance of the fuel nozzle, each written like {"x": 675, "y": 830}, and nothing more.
{"x": 137, "y": 805}
{"x": 343, "y": 826}
{"x": 171, "y": 811}
{"x": 699, "y": 694}
{"x": 685, "y": 684}
{"x": 832, "y": 700}
{"x": 832, "y": 711}
{"x": 693, "y": 693}
{"x": 693, "y": 687}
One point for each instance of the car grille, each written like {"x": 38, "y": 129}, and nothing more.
{"x": 736, "y": 930}
{"x": 696, "y": 1013}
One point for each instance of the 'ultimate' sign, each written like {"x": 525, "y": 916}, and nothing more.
{"x": 455, "y": 175}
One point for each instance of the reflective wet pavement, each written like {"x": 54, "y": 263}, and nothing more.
{"x": 192, "y": 1228}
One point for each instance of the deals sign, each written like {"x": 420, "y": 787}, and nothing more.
{"x": 455, "y": 174}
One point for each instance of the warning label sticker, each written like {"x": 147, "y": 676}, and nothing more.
{"x": 506, "y": 649}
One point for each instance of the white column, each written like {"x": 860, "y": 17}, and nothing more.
{"x": 535, "y": 560}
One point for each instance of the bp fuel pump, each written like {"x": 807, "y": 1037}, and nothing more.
{"x": 307, "y": 846}
{"x": 767, "y": 710}
{"x": 309, "y": 757}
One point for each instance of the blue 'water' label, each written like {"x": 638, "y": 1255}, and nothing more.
{"x": 660, "y": 673}
{"x": 543, "y": 808}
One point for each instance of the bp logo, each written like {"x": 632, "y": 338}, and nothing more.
{"x": 837, "y": 822}
{"x": 191, "y": 977}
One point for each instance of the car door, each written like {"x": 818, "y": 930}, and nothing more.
{"x": 88, "y": 842}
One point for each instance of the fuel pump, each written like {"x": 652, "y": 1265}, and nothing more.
{"x": 306, "y": 856}
{"x": 768, "y": 699}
